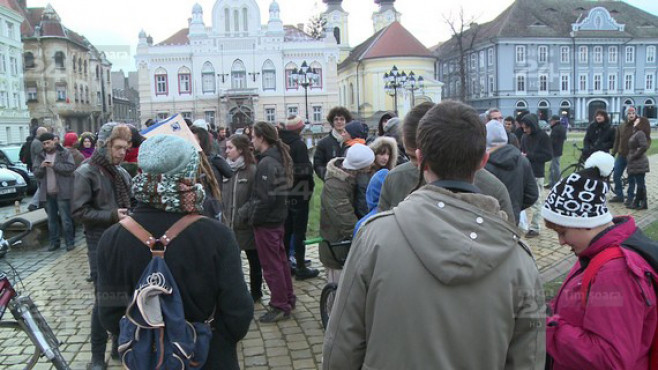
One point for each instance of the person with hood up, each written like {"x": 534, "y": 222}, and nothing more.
{"x": 386, "y": 153}
{"x": 393, "y": 130}
{"x": 355, "y": 133}
{"x": 611, "y": 325}
{"x": 299, "y": 198}
{"x": 537, "y": 147}
{"x": 600, "y": 135}
{"x": 437, "y": 282}
{"x": 372, "y": 196}
{"x": 510, "y": 167}
{"x": 343, "y": 203}
{"x": 87, "y": 144}
{"x": 332, "y": 145}
{"x": 382, "y": 122}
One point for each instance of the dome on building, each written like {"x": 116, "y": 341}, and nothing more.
{"x": 274, "y": 7}
{"x": 196, "y": 9}
{"x": 142, "y": 34}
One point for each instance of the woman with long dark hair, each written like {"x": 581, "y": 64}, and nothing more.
{"x": 268, "y": 211}
{"x": 87, "y": 144}
{"x": 600, "y": 134}
{"x": 216, "y": 169}
{"x": 236, "y": 192}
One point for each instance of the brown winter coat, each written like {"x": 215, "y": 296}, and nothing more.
{"x": 638, "y": 163}
{"x": 385, "y": 141}
{"x": 339, "y": 210}
{"x": 624, "y": 132}
{"x": 236, "y": 192}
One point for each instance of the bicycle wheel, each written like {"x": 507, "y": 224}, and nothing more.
{"x": 18, "y": 334}
{"x": 327, "y": 302}
{"x": 574, "y": 167}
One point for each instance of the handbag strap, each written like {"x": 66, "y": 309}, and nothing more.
{"x": 147, "y": 238}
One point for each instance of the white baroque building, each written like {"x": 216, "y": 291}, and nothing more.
{"x": 236, "y": 71}
{"x": 14, "y": 114}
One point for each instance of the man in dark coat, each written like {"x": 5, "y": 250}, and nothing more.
{"x": 536, "y": 146}
{"x": 558, "y": 136}
{"x": 299, "y": 197}
{"x": 331, "y": 146}
{"x": 204, "y": 258}
{"x": 600, "y": 135}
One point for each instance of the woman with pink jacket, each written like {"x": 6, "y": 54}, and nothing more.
{"x": 611, "y": 322}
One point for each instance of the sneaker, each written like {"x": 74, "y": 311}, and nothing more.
{"x": 32, "y": 207}
{"x": 306, "y": 273}
{"x": 532, "y": 234}
{"x": 617, "y": 199}
{"x": 274, "y": 315}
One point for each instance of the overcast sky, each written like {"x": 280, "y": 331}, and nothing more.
{"x": 113, "y": 26}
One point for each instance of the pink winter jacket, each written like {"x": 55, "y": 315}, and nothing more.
{"x": 616, "y": 328}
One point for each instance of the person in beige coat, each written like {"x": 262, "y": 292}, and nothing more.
{"x": 442, "y": 281}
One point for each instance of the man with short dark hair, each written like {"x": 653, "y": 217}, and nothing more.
{"x": 558, "y": 136}
{"x": 475, "y": 290}
{"x": 332, "y": 145}
{"x": 54, "y": 167}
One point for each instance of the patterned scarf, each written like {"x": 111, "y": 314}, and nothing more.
{"x": 177, "y": 193}
{"x": 120, "y": 185}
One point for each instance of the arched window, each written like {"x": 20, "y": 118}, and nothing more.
{"x": 245, "y": 20}
{"x": 161, "y": 84}
{"x": 227, "y": 20}
{"x": 98, "y": 73}
{"x": 75, "y": 69}
{"x": 238, "y": 75}
{"x": 317, "y": 69}
{"x": 184, "y": 81}
{"x": 208, "y": 78}
{"x": 80, "y": 65}
{"x": 650, "y": 110}
{"x": 337, "y": 35}
{"x": 351, "y": 93}
{"x": 291, "y": 83}
{"x": 565, "y": 104}
{"x": 85, "y": 65}
{"x": 87, "y": 94}
{"x": 269, "y": 75}
{"x": 75, "y": 92}
{"x": 543, "y": 104}
{"x": 59, "y": 60}
{"x": 28, "y": 60}
{"x": 629, "y": 101}
{"x": 236, "y": 20}
{"x": 521, "y": 104}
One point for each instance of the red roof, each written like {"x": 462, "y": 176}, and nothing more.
{"x": 396, "y": 41}
{"x": 178, "y": 38}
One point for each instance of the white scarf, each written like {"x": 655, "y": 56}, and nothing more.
{"x": 337, "y": 135}
{"x": 237, "y": 165}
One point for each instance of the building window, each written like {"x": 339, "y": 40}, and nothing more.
{"x": 236, "y": 21}
{"x": 520, "y": 54}
{"x": 542, "y": 53}
{"x": 474, "y": 60}
{"x": 651, "y": 54}
{"x": 13, "y": 66}
{"x": 582, "y": 54}
{"x": 208, "y": 78}
{"x": 99, "y": 99}
{"x": 31, "y": 93}
{"x": 3, "y": 99}
{"x": 316, "y": 83}
{"x": 293, "y": 110}
{"x": 184, "y": 81}
{"x": 482, "y": 60}
{"x": 11, "y": 34}
{"x": 238, "y": 75}
{"x": 187, "y": 115}
{"x": 291, "y": 83}
{"x": 648, "y": 82}
{"x": 28, "y": 60}
{"x": 59, "y": 60}
{"x": 612, "y": 54}
{"x": 612, "y": 82}
{"x": 564, "y": 83}
{"x": 245, "y": 20}
{"x": 598, "y": 82}
{"x": 629, "y": 82}
{"x": 61, "y": 92}
{"x": 209, "y": 116}
{"x": 564, "y": 54}
{"x": 269, "y": 76}
{"x": 227, "y": 20}
{"x": 317, "y": 113}
{"x": 630, "y": 54}
{"x": 582, "y": 82}
{"x": 162, "y": 116}
{"x": 161, "y": 87}
{"x": 543, "y": 83}
{"x": 520, "y": 83}
{"x": 490, "y": 56}
{"x": 597, "y": 54}
{"x": 270, "y": 115}
{"x": 492, "y": 85}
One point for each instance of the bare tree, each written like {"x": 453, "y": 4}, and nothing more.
{"x": 316, "y": 26}
{"x": 464, "y": 30}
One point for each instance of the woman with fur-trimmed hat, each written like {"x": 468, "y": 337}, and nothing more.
{"x": 386, "y": 153}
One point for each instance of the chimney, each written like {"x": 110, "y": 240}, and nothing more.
{"x": 300, "y": 26}
{"x": 22, "y": 4}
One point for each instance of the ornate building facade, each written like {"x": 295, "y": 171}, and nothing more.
{"x": 236, "y": 71}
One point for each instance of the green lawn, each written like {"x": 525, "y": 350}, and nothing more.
{"x": 313, "y": 229}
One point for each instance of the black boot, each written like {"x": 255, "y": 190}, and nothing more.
{"x": 643, "y": 199}
{"x": 628, "y": 202}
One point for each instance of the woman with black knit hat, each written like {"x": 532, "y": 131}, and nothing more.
{"x": 268, "y": 213}
{"x": 605, "y": 315}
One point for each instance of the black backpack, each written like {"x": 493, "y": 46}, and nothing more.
{"x": 25, "y": 155}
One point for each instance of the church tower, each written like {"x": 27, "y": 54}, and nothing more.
{"x": 385, "y": 15}
{"x": 336, "y": 25}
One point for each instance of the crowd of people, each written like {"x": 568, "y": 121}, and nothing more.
{"x": 434, "y": 201}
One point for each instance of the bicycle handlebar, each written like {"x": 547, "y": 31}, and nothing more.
{"x": 19, "y": 220}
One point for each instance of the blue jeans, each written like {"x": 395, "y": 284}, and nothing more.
{"x": 633, "y": 182}
{"x": 56, "y": 210}
{"x": 555, "y": 171}
{"x": 620, "y": 166}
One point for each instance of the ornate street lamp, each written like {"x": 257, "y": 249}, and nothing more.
{"x": 305, "y": 77}
{"x": 414, "y": 84}
{"x": 394, "y": 81}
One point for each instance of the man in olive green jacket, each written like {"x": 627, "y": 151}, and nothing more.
{"x": 442, "y": 281}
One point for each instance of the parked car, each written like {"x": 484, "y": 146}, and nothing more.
{"x": 653, "y": 122}
{"x": 12, "y": 185}
{"x": 9, "y": 159}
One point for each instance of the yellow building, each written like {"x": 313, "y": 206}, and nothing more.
{"x": 361, "y": 84}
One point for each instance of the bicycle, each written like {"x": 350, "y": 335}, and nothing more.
{"x": 328, "y": 294}
{"x": 27, "y": 317}
{"x": 580, "y": 165}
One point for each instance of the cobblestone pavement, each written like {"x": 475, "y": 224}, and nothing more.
{"x": 56, "y": 281}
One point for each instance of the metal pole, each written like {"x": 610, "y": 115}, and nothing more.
{"x": 395, "y": 90}
{"x": 306, "y": 97}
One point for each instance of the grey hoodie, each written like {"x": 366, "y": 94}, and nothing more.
{"x": 439, "y": 282}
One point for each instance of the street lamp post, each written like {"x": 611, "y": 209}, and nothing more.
{"x": 394, "y": 80}
{"x": 414, "y": 84}
{"x": 305, "y": 76}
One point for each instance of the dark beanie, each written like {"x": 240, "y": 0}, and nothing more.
{"x": 46, "y": 136}
{"x": 530, "y": 119}
{"x": 357, "y": 130}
